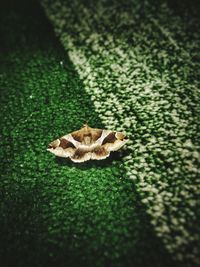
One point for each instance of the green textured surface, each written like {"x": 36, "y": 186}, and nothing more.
{"x": 139, "y": 62}
{"x": 55, "y": 212}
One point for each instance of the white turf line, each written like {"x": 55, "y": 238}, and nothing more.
{"x": 125, "y": 87}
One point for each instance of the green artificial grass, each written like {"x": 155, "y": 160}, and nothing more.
{"x": 139, "y": 63}
{"x": 55, "y": 212}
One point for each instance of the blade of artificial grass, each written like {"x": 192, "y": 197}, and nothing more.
{"x": 139, "y": 63}
{"x": 55, "y": 212}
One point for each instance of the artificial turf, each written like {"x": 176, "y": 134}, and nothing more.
{"x": 55, "y": 212}
{"x": 139, "y": 62}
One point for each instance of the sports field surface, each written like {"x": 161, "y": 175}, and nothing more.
{"x": 130, "y": 66}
